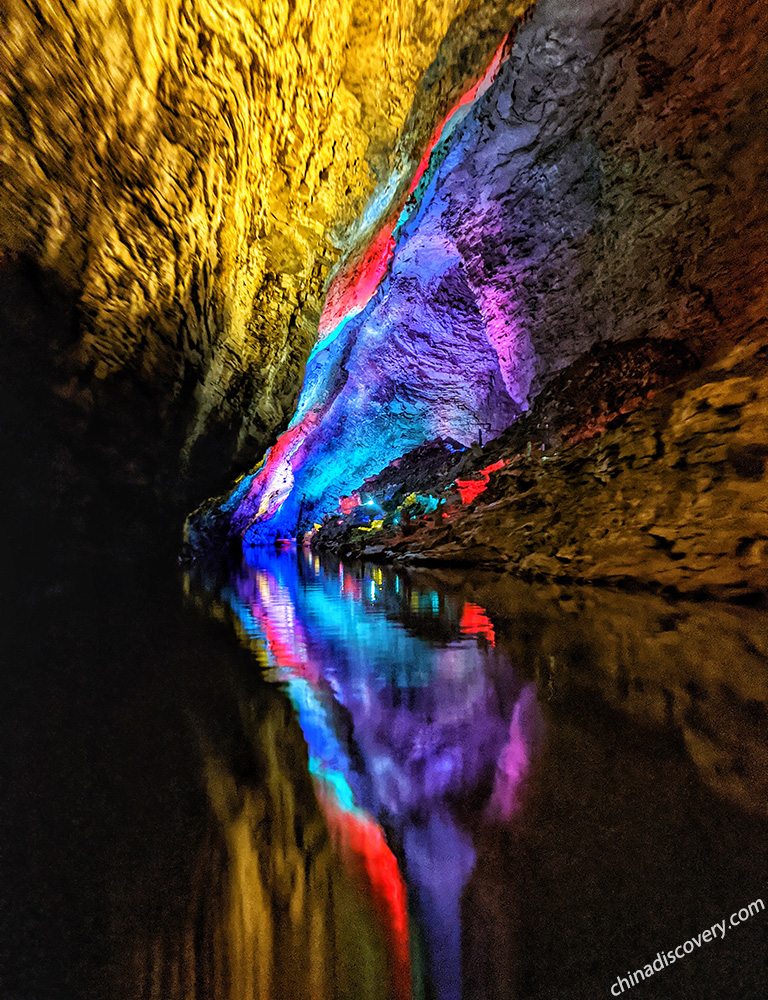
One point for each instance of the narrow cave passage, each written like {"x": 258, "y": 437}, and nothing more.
{"x": 384, "y": 429}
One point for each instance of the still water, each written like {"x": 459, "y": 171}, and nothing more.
{"x": 507, "y": 818}
{"x": 294, "y": 779}
{"x": 407, "y": 708}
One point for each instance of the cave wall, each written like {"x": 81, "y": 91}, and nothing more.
{"x": 507, "y": 185}
{"x": 610, "y": 478}
{"x": 185, "y": 175}
{"x": 605, "y": 182}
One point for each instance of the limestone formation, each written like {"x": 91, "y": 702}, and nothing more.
{"x": 672, "y": 496}
{"x": 182, "y": 179}
{"x": 188, "y": 172}
{"x": 605, "y": 183}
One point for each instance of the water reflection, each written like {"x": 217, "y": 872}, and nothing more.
{"x": 264, "y": 905}
{"x": 465, "y": 817}
{"x": 397, "y": 809}
{"x": 406, "y": 706}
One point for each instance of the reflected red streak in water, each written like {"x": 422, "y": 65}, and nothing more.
{"x": 352, "y": 587}
{"x": 475, "y": 621}
{"x": 367, "y": 856}
{"x": 358, "y": 838}
{"x": 286, "y": 643}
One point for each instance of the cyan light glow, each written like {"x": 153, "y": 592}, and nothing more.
{"x": 405, "y": 703}
{"x": 408, "y": 351}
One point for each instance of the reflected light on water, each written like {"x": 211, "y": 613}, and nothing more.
{"x": 450, "y": 805}
{"x": 405, "y": 705}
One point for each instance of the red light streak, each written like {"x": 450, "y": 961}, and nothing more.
{"x": 352, "y": 288}
{"x": 367, "y": 855}
{"x": 475, "y": 621}
{"x": 470, "y": 489}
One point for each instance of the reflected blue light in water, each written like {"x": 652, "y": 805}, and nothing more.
{"x": 335, "y": 781}
{"x": 405, "y": 704}
{"x": 327, "y": 760}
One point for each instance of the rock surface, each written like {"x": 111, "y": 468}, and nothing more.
{"x": 607, "y": 184}
{"x": 187, "y": 174}
{"x": 674, "y": 496}
{"x": 176, "y": 186}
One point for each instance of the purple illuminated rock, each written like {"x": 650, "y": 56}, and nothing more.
{"x": 607, "y": 186}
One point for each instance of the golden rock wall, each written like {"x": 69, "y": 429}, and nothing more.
{"x": 186, "y": 170}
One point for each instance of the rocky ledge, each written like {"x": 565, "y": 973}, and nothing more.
{"x": 664, "y": 489}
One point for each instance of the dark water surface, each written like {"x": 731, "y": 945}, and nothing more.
{"x": 391, "y": 784}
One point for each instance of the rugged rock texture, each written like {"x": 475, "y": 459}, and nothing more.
{"x": 673, "y": 496}
{"x": 593, "y": 394}
{"x": 186, "y": 173}
{"x": 606, "y": 183}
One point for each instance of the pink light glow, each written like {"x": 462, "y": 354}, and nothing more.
{"x": 284, "y": 634}
{"x": 352, "y": 587}
{"x": 526, "y": 735}
{"x": 356, "y": 835}
{"x": 275, "y": 480}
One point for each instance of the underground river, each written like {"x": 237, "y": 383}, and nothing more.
{"x": 297, "y": 778}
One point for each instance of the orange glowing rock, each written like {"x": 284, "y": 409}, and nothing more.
{"x": 348, "y": 504}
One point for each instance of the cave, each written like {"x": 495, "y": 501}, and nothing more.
{"x": 384, "y": 424}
